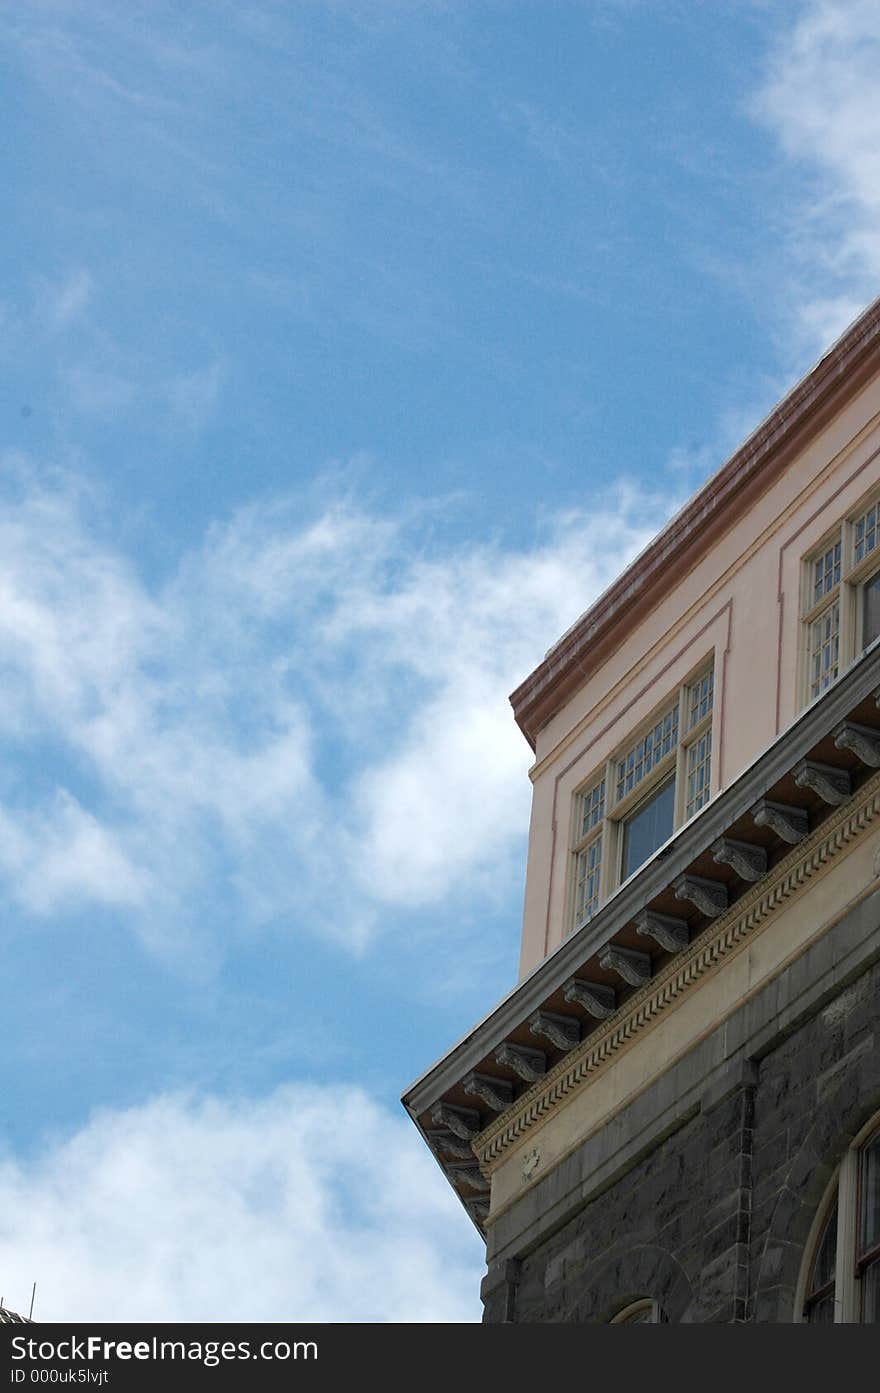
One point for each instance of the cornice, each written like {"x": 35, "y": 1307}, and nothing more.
{"x": 768, "y": 451}
{"x": 718, "y": 943}
{"x": 800, "y": 805}
{"x": 668, "y": 862}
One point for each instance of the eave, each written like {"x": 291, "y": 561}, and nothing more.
{"x": 839, "y": 733}
{"x": 836, "y": 379}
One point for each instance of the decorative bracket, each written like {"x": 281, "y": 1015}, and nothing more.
{"x": 599, "y": 1000}
{"x": 862, "y": 740}
{"x": 478, "y": 1209}
{"x": 833, "y": 785}
{"x": 464, "y": 1122}
{"x": 632, "y": 966}
{"x": 790, "y": 823}
{"x": 530, "y": 1065}
{"x": 562, "y": 1031}
{"x": 747, "y": 859}
{"x": 469, "y": 1175}
{"x": 710, "y": 896}
{"x": 668, "y": 930}
{"x": 497, "y": 1094}
{"x": 450, "y": 1145}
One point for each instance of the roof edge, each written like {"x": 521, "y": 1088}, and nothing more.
{"x": 812, "y": 724}
{"x": 837, "y": 377}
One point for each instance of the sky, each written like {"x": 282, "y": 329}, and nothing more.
{"x": 349, "y": 349}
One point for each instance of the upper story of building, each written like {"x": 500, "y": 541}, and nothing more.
{"x": 706, "y": 798}
{"x": 744, "y": 609}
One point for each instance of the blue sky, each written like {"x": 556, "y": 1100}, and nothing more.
{"x": 349, "y": 350}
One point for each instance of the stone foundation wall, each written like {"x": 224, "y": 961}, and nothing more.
{"x": 701, "y": 1194}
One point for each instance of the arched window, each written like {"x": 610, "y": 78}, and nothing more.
{"x": 645, "y": 1312}
{"x": 840, "y": 1280}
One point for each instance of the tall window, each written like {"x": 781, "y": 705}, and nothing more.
{"x": 819, "y": 1296}
{"x": 657, "y": 780}
{"x": 841, "y": 1278}
{"x": 841, "y": 598}
{"x": 588, "y": 851}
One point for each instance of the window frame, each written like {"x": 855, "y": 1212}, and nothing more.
{"x": 843, "y": 1195}
{"x": 812, "y": 1296}
{"x": 618, "y": 810}
{"x": 595, "y": 833}
{"x": 848, "y": 592}
{"x": 631, "y": 810}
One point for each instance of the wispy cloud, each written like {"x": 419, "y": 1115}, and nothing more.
{"x": 308, "y": 1205}
{"x": 308, "y": 700}
{"x": 58, "y": 855}
{"x": 819, "y": 99}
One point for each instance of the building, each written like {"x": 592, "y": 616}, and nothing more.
{"x": 675, "y": 1115}
{"x": 8, "y": 1317}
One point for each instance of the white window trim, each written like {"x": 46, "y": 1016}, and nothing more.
{"x": 849, "y": 591}
{"x": 619, "y": 810}
{"x": 635, "y": 1308}
{"x": 842, "y": 1191}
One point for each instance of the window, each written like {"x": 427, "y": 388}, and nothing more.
{"x": 647, "y": 828}
{"x": 841, "y": 1279}
{"x": 657, "y": 780}
{"x": 819, "y": 1300}
{"x": 588, "y": 851}
{"x": 647, "y": 753}
{"x": 870, "y": 610}
{"x": 699, "y": 764}
{"x": 841, "y": 604}
{"x": 865, "y": 533}
{"x": 825, "y": 649}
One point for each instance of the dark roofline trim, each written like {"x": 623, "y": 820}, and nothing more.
{"x": 769, "y": 450}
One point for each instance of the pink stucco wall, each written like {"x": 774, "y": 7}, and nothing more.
{"x": 741, "y": 604}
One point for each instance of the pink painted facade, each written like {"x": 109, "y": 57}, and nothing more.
{"x": 765, "y": 581}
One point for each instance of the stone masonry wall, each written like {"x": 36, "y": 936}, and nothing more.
{"x": 710, "y": 1215}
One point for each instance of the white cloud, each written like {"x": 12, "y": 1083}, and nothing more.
{"x": 60, "y": 854}
{"x": 450, "y": 799}
{"x": 309, "y": 701}
{"x": 313, "y": 1204}
{"x": 819, "y": 99}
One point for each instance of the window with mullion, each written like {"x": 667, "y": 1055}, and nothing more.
{"x": 588, "y": 880}
{"x": 589, "y": 834}
{"x": 819, "y": 1304}
{"x": 866, "y": 533}
{"x": 698, "y": 771}
{"x": 646, "y": 753}
{"x": 592, "y": 808}
{"x": 824, "y": 649}
{"x": 868, "y": 1253}
{"x": 843, "y": 1277}
{"x": 823, "y": 612}
{"x": 700, "y": 698}
{"x": 826, "y": 571}
{"x": 655, "y": 780}
{"x": 841, "y": 599}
